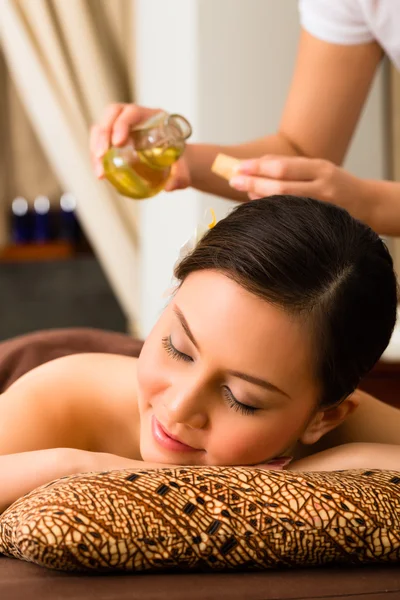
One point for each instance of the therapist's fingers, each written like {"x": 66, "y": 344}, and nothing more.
{"x": 260, "y": 187}
{"x": 100, "y": 138}
{"x": 252, "y": 196}
{"x": 95, "y": 142}
{"x": 179, "y": 178}
{"x": 295, "y": 168}
{"x": 113, "y": 129}
{"x": 129, "y": 117}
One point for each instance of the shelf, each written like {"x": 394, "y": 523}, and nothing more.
{"x": 38, "y": 252}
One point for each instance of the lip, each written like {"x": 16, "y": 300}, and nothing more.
{"x": 167, "y": 440}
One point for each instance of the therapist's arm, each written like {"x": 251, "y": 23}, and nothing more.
{"x": 328, "y": 91}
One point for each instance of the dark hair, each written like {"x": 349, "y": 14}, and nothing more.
{"x": 316, "y": 261}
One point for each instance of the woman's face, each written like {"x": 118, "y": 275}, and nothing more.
{"x": 224, "y": 378}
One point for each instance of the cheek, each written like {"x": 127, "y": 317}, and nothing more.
{"x": 242, "y": 446}
{"x": 152, "y": 373}
{"x": 254, "y": 441}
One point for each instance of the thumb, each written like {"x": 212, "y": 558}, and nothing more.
{"x": 179, "y": 178}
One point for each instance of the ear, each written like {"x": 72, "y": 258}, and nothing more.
{"x": 328, "y": 419}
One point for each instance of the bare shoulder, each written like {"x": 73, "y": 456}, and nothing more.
{"x": 83, "y": 366}
{"x": 69, "y": 402}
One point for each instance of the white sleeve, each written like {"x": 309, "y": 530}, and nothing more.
{"x": 335, "y": 21}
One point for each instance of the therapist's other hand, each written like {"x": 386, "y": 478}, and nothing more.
{"x": 299, "y": 176}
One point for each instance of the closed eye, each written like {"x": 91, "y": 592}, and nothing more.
{"x": 245, "y": 409}
{"x": 174, "y": 352}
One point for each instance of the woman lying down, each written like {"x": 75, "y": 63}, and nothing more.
{"x": 280, "y": 310}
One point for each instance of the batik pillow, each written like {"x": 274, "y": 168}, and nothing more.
{"x": 209, "y": 518}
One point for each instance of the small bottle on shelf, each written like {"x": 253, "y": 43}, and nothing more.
{"x": 69, "y": 227}
{"x": 41, "y": 221}
{"x": 20, "y": 221}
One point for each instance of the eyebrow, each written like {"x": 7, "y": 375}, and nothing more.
{"x": 249, "y": 378}
{"x": 185, "y": 326}
{"x": 260, "y": 382}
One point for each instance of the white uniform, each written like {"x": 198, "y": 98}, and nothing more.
{"x": 354, "y": 22}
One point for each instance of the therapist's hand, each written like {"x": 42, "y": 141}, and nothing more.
{"x": 114, "y": 128}
{"x": 299, "y": 176}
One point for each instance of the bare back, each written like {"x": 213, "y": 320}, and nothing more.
{"x": 83, "y": 401}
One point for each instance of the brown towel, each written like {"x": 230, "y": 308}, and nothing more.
{"x": 22, "y": 354}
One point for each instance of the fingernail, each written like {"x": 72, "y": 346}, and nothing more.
{"x": 239, "y": 183}
{"x": 279, "y": 463}
{"x": 284, "y": 461}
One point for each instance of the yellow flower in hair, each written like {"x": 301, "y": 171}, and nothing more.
{"x": 198, "y": 233}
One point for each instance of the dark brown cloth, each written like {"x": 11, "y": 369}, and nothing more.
{"x": 24, "y": 581}
{"x": 22, "y": 354}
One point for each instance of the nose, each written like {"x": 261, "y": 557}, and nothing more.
{"x": 188, "y": 406}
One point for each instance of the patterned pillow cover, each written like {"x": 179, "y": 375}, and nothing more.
{"x": 206, "y": 518}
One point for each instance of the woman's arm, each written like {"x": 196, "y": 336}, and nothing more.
{"x": 21, "y": 473}
{"x": 351, "y": 456}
